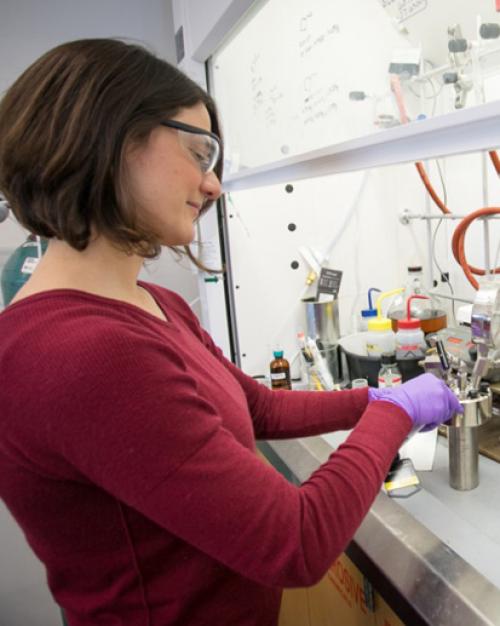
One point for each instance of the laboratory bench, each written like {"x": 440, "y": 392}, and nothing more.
{"x": 434, "y": 557}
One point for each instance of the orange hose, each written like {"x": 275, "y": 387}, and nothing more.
{"x": 458, "y": 240}
{"x": 458, "y": 244}
{"x": 495, "y": 160}
{"x": 428, "y": 185}
{"x": 398, "y": 94}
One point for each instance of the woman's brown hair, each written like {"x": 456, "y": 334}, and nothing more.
{"x": 64, "y": 125}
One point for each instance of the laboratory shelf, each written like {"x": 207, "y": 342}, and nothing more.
{"x": 459, "y": 132}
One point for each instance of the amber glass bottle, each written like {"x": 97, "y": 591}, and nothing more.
{"x": 280, "y": 371}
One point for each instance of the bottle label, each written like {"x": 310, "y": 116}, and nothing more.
{"x": 278, "y": 376}
{"x": 409, "y": 352}
{"x": 29, "y": 265}
{"x": 388, "y": 381}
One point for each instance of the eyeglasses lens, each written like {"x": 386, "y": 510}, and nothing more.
{"x": 204, "y": 149}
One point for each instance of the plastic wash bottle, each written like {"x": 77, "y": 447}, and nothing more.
{"x": 367, "y": 314}
{"x": 380, "y": 336}
{"x": 410, "y": 340}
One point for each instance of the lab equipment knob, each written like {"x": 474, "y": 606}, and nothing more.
{"x": 489, "y": 31}
{"x": 357, "y": 95}
{"x": 457, "y": 45}
{"x": 450, "y": 77}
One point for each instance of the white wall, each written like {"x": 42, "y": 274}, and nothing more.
{"x": 372, "y": 247}
{"x": 30, "y": 27}
{"x": 27, "y": 29}
{"x": 202, "y": 17}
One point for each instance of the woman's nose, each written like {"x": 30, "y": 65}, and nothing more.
{"x": 211, "y": 186}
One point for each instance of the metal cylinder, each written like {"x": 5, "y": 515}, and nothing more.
{"x": 323, "y": 327}
{"x": 323, "y": 321}
{"x": 463, "y": 452}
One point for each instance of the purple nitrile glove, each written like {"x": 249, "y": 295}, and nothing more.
{"x": 426, "y": 399}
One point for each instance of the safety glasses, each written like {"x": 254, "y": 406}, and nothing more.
{"x": 203, "y": 145}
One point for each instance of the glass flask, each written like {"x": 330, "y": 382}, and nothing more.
{"x": 429, "y": 311}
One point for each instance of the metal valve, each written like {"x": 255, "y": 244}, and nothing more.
{"x": 489, "y": 31}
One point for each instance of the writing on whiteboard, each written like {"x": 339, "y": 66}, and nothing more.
{"x": 404, "y": 9}
{"x": 310, "y": 42}
{"x": 319, "y": 99}
{"x": 265, "y": 94}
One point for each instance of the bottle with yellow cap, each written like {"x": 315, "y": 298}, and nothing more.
{"x": 380, "y": 336}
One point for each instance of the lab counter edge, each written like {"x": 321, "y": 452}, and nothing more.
{"x": 420, "y": 577}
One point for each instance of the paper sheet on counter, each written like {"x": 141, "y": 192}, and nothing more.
{"x": 421, "y": 448}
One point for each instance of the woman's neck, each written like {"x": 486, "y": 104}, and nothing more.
{"x": 101, "y": 269}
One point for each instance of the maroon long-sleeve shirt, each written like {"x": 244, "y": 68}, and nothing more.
{"x": 127, "y": 456}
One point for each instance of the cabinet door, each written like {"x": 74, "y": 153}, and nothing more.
{"x": 340, "y": 597}
{"x": 295, "y": 608}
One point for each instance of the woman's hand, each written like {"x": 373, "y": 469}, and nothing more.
{"x": 426, "y": 399}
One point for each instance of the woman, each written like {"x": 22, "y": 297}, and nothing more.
{"x": 127, "y": 440}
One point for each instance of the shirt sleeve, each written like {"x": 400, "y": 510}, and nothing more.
{"x": 143, "y": 434}
{"x": 281, "y": 414}
{"x": 278, "y": 414}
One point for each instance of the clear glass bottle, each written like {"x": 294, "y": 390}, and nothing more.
{"x": 280, "y": 371}
{"x": 430, "y": 312}
{"x": 389, "y": 374}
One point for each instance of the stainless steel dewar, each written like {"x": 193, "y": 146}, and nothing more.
{"x": 470, "y": 387}
{"x": 463, "y": 446}
{"x": 476, "y": 411}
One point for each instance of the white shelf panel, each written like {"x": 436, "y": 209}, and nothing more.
{"x": 468, "y": 130}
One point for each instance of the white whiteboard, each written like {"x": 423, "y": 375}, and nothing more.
{"x": 282, "y": 83}
{"x": 283, "y": 80}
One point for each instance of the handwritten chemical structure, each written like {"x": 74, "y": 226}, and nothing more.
{"x": 307, "y": 45}
{"x": 405, "y": 8}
